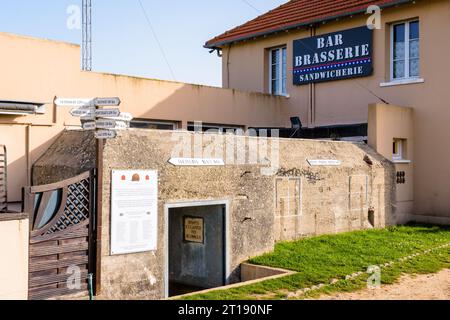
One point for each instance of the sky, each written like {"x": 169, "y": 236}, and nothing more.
{"x": 123, "y": 41}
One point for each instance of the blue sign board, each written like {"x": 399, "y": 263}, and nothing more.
{"x": 334, "y": 56}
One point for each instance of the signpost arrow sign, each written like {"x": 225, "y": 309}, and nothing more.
{"x": 105, "y": 124}
{"x": 105, "y": 134}
{"x": 73, "y": 102}
{"x": 107, "y": 113}
{"x": 104, "y": 102}
{"x": 121, "y": 125}
{"x": 123, "y": 116}
{"x": 80, "y": 112}
{"x": 90, "y": 125}
{"x": 88, "y": 116}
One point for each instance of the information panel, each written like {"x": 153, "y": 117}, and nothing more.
{"x": 134, "y": 211}
{"x": 194, "y": 229}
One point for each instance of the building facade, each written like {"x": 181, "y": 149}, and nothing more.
{"x": 303, "y": 66}
{"x": 36, "y": 71}
{"x": 407, "y": 52}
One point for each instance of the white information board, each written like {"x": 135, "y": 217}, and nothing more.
{"x": 134, "y": 211}
{"x": 196, "y": 162}
{"x": 325, "y": 162}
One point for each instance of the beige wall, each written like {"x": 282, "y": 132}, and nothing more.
{"x": 14, "y": 258}
{"x": 386, "y": 123}
{"x": 39, "y": 70}
{"x": 346, "y": 101}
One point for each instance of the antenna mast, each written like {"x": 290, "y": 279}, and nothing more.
{"x": 86, "y": 46}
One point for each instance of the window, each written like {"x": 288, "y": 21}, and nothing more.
{"x": 214, "y": 128}
{"x": 278, "y": 72}
{"x": 399, "y": 148}
{"x": 405, "y": 51}
{"x": 152, "y": 124}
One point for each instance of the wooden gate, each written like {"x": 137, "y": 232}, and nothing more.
{"x": 62, "y": 236}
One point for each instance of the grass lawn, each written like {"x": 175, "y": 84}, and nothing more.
{"x": 321, "y": 259}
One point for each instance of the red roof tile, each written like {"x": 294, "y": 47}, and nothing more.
{"x": 297, "y": 13}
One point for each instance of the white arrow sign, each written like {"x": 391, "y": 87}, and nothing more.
{"x": 105, "y": 124}
{"x": 324, "y": 162}
{"x": 107, "y": 112}
{"x": 124, "y": 116}
{"x": 121, "y": 125}
{"x": 81, "y": 112}
{"x": 90, "y": 125}
{"x": 196, "y": 162}
{"x": 73, "y": 102}
{"x": 105, "y": 134}
{"x": 104, "y": 102}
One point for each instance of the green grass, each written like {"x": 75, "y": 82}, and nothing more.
{"x": 320, "y": 259}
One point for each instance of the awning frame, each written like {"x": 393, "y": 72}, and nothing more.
{"x": 21, "y": 108}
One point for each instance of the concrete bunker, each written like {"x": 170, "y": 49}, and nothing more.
{"x": 197, "y": 256}
{"x": 301, "y": 198}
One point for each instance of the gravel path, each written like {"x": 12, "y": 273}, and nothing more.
{"x": 420, "y": 287}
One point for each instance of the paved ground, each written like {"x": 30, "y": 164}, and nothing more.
{"x": 421, "y": 287}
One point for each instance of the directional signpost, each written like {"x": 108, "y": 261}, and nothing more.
{"x": 89, "y": 125}
{"x": 123, "y": 116}
{"x": 81, "y": 112}
{"x": 73, "y": 102}
{"x": 107, "y": 113}
{"x": 105, "y": 134}
{"x": 121, "y": 125}
{"x": 105, "y": 121}
{"x": 105, "y": 124}
{"x": 107, "y": 102}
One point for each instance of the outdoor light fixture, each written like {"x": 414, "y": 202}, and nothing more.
{"x": 296, "y": 123}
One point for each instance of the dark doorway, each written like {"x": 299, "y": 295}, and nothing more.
{"x": 196, "y": 248}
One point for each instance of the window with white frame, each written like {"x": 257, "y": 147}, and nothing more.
{"x": 405, "y": 50}
{"x": 278, "y": 71}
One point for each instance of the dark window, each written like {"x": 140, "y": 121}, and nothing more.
{"x": 151, "y": 124}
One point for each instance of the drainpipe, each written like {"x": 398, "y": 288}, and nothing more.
{"x": 27, "y": 151}
{"x": 228, "y": 66}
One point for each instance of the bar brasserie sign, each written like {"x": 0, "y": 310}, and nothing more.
{"x": 335, "y": 56}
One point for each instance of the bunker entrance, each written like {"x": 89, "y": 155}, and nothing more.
{"x": 196, "y": 248}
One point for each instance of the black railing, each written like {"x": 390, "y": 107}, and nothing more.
{"x": 336, "y": 132}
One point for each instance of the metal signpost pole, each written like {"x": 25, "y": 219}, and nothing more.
{"x": 105, "y": 123}
{"x": 99, "y": 213}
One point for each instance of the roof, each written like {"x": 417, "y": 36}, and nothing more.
{"x": 297, "y": 13}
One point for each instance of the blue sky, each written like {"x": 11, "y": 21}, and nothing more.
{"x": 123, "y": 41}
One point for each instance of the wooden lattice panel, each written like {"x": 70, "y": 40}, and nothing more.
{"x": 61, "y": 237}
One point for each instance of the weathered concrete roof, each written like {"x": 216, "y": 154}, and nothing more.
{"x": 71, "y": 154}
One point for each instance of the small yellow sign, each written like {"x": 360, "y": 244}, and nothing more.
{"x": 193, "y": 229}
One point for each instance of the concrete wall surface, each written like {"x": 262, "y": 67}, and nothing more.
{"x": 14, "y": 239}
{"x": 264, "y": 206}
{"x": 251, "y": 272}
